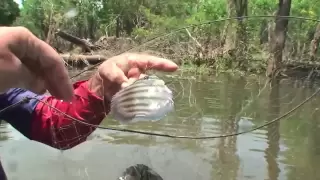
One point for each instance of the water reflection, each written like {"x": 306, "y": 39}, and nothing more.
{"x": 227, "y": 164}
{"x": 273, "y": 134}
{"x": 205, "y": 106}
{"x": 313, "y": 144}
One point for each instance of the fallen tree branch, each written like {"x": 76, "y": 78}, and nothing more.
{"x": 86, "y": 46}
{"x": 200, "y": 48}
{"x": 92, "y": 59}
{"x": 194, "y": 39}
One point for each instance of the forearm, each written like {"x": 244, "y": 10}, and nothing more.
{"x": 40, "y": 122}
{"x": 53, "y": 128}
{"x": 19, "y": 115}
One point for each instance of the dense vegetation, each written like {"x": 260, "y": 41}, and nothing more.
{"x": 247, "y": 44}
{"x": 9, "y": 11}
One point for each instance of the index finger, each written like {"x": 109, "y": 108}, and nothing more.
{"x": 145, "y": 62}
{"x": 43, "y": 61}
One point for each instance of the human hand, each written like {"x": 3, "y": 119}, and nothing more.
{"x": 119, "y": 71}
{"x": 28, "y": 62}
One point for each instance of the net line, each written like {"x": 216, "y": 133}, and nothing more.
{"x": 165, "y": 135}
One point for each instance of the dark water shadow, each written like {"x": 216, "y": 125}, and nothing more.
{"x": 273, "y": 132}
{"x": 227, "y": 161}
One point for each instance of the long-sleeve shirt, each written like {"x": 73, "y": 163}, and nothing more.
{"x": 39, "y": 122}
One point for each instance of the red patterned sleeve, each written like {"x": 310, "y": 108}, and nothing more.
{"x": 51, "y": 127}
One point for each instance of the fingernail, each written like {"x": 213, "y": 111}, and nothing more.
{"x": 132, "y": 57}
{"x": 129, "y": 82}
{"x": 142, "y": 76}
{"x": 67, "y": 96}
{"x": 125, "y": 84}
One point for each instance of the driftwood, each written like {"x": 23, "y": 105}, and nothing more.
{"x": 86, "y": 45}
{"x": 79, "y": 59}
{"x": 87, "y": 59}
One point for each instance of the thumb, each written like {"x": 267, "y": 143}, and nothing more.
{"x": 28, "y": 80}
{"x": 112, "y": 78}
{"x": 112, "y": 74}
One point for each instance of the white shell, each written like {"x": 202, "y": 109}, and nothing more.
{"x": 147, "y": 99}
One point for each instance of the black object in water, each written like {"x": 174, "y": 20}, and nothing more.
{"x": 140, "y": 172}
{"x": 3, "y": 175}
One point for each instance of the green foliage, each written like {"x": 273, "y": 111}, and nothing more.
{"x": 9, "y": 11}
{"x": 144, "y": 19}
{"x": 37, "y": 15}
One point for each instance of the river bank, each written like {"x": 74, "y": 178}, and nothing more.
{"x": 212, "y": 60}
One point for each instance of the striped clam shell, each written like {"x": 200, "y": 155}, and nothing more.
{"x": 147, "y": 99}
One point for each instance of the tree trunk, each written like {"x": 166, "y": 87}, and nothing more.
{"x": 278, "y": 38}
{"x": 264, "y": 32}
{"x": 118, "y": 27}
{"x": 50, "y": 28}
{"x": 230, "y": 30}
{"x": 315, "y": 43}
{"x": 241, "y": 41}
{"x": 235, "y": 37}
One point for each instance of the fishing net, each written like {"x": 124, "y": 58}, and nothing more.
{"x": 210, "y": 134}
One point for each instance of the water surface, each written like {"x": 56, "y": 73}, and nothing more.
{"x": 204, "y": 106}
